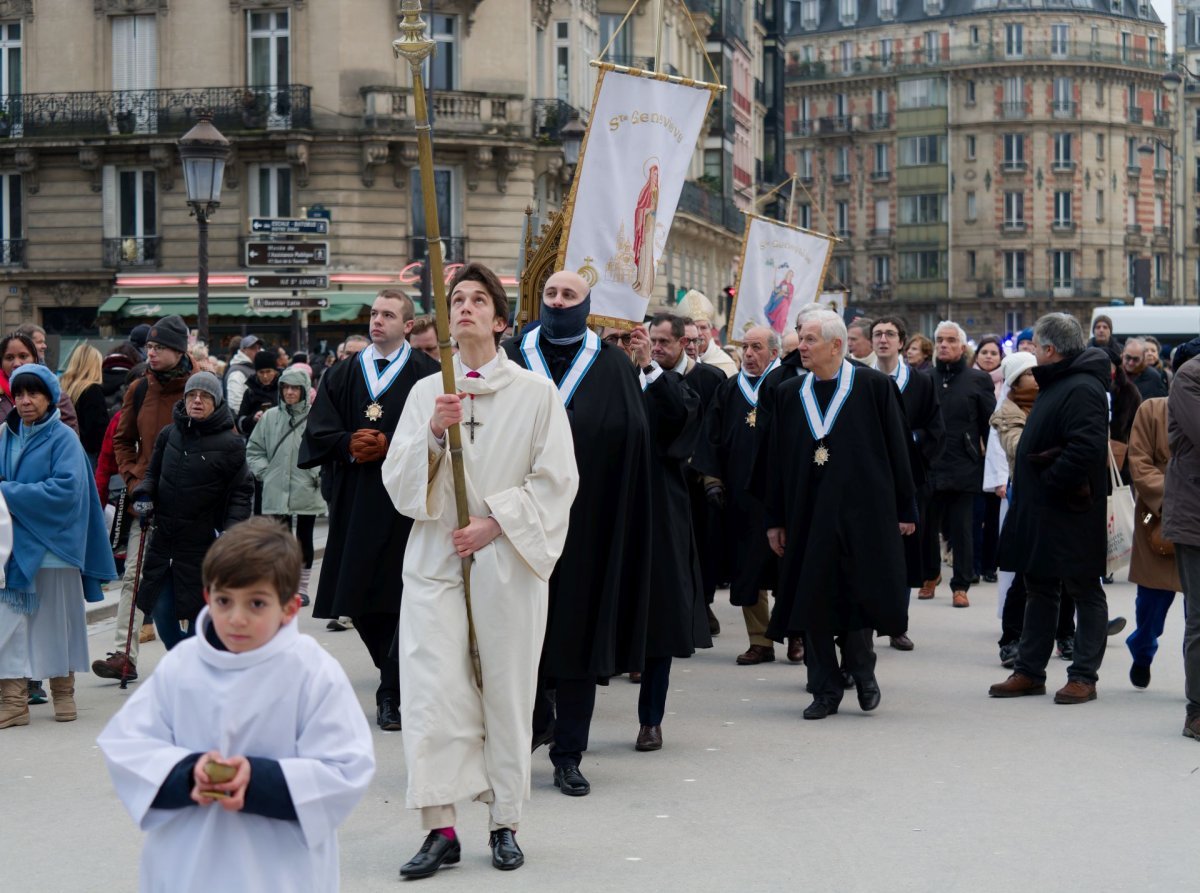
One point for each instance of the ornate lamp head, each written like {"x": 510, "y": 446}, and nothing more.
{"x": 412, "y": 44}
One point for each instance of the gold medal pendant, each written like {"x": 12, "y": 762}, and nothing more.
{"x": 820, "y": 454}
{"x": 752, "y": 417}
{"x": 374, "y": 412}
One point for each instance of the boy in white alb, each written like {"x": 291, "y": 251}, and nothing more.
{"x": 249, "y": 692}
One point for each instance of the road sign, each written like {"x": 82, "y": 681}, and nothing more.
{"x": 287, "y": 254}
{"x": 320, "y": 212}
{"x": 287, "y": 303}
{"x": 289, "y": 226}
{"x": 281, "y": 281}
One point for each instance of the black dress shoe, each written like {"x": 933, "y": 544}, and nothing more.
{"x": 506, "y": 855}
{"x": 649, "y": 738}
{"x": 819, "y": 709}
{"x": 868, "y": 694}
{"x": 436, "y": 851}
{"x": 387, "y": 715}
{"x": 571, "y": 781}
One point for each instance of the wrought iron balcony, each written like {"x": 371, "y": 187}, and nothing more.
{"x": 1014, "y": 226}
{"x": 1160, "y": 173}
{"x": 1064, "y": 109}
{"x": 550, "y": 116}
{"x": 1063, "y": 226}
{"x": 12, "y": 252}
{"x": 1011, "y": 111}
{"x": 168, "y": 112}
{"x": 1162, "y": 119}
{"x": 880, "y": 121}
{"x": 711, "y": 207}
{"x": 802, "y": 127}
{"x": 840, "y": 179}
{"x": 132, "y": 251}
{"x": 454, "y": 249}
{"x": 1135, "y": 114}
{"x": 1013, "y": 167}
{"x": 836, "y": 124}
{"x": 1062, "y": 166}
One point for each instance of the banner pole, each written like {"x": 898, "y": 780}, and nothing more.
{"x": 658, "y": 17}
{"x": 791, "y": 199}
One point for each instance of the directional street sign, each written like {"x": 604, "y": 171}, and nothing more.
{"x": 289, "y": 226}
{"x": 287, "y": 254}
{"x": 264, "y": 303}
{"x": 281, "y": 281}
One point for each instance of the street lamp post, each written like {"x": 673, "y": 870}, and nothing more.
{"x": 203, "y": 152}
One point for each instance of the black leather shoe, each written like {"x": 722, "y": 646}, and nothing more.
{"x": 571, "y": 781}
{"x": 436, "y": 851}
{"x": 649, "y": 738}
{"x": 819, "y": 709}
{"x": 387, "y": 715}
{"x": 868, "y": 694}
{"x": 506, "y": 855}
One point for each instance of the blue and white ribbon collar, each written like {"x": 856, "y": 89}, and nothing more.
{"x": 379, "y": 382}
{"x": 751, "y": 393}
{"x": 588, "y": 351}
{"x": 820, "y": 425}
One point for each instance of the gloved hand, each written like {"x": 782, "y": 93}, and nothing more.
{"x": 714, "y": 492}
{"x": 368, "y": 445}
{"x": 143, "y": 508}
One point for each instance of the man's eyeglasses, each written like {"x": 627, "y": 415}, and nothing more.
{"x": 887, "y": 334}
{"x": 1128, "y": 359}
{"x": 618, "y": 337}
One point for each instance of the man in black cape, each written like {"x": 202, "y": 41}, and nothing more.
{"x": 840, "y": 498}
{"x": 600, "y": 588}
{"x": 349, "y": 427}
{"x": 678, "y": 622}
{"x": 923, "y": 413}
{"x": 726, "y": 458}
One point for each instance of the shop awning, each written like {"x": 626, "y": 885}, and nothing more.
{"x": 343, "y": 306}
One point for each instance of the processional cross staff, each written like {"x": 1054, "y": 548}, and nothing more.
{"x": 414, "y": 46}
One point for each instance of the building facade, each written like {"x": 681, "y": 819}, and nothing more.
{"x": 1187, "y": 56}
{"x": 985, "y": 162}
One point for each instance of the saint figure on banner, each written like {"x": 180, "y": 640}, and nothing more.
{"x": 645, "y": 216}
{"x": 780, "y": 301}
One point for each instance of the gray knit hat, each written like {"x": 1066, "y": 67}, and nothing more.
{"x": 208, "y": 383}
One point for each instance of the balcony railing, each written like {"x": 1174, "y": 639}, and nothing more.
{"x": 836, "y": 124}
{"x": 1160, "y": 173}
{"x": 1062, "y": 166}
{"x": 802, "y": 127}
{"x": 880, "y": 121}
{"x": 1135, "y": 114}
{"x": 711, "y": 207}
{"x": 1014, "y": 226}
{"x": 1011, "y": 111}
{"x": 170, "y": 112}
{"x": 392, "y": 108}
{"x": 1162, "y": 119}
{"x": 1133, "y": 169}
{"x": 454, "y": 249}
{"x": 1064, "y": 109}
{"x": 12, "y": 252}
{"x": 1062, "y": 287}
{"x": 881, "y": 176}
{"x": 132, "y": 251}
{"x": 1012, "y": 167}
{"x": 1063, "y": 226}
{"x": 840, "y": 179}
{"x": 967, "y": 55}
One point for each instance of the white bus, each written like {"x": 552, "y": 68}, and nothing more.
{"x": 1172, "y": 324}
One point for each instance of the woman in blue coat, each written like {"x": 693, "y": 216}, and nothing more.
{"x": 54, "y": 548}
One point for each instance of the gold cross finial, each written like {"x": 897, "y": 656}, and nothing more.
{"x": 412, "y": 43}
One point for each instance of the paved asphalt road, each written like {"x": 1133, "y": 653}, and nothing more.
{"x": 941, "y": 789}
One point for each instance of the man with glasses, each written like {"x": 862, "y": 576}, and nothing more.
{"x": 146, "y": 410}
{"x": 928, "y": 433}
{"x": 1147, "y": 380}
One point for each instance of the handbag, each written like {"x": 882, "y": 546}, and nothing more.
{"x": 1152, "y": 524}
{"x": 1120, "y": 520}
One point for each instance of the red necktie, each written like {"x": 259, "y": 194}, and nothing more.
{"x": 473, "y": 374}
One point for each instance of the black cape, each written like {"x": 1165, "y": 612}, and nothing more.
{"x": 600, "y": 588}
{"x": 843, "y": 566}
{"x": 728, "y": 452}
{"x": 923, "y": 413}
{"x": 678, "y": 622}
{"x": 364, "y": 552}
{"x": 707, "y": 524}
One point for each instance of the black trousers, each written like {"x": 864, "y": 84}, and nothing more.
{"x": 377, "y": 632}
{"x": 986, "y": 532}
{"x": 652, "y": 699}
{"x": 1041, "y": 618}
{"x": 1013, "y": 619}
{"x": 957, "y": 509}
{"x": 824, "y": 670}
{"x": 305, "y": 525}
{"x": 574, "y": 702}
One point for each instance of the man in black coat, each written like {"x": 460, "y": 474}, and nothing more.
{"x": 840, "y": 498}
{"x": 600, "y": 588}
{"x": 1055, "y": 531}
{"x": 1148, "y": 380}
{"x": 968, "y": 400}
{"x": 927, "y": 437}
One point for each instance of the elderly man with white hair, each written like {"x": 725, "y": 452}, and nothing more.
{"x": 838, "y": 430}
{"x": 968, "y": 400}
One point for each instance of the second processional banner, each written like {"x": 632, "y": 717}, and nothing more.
{"x": 637, "y": 152}
{"x": 783, "y": 268}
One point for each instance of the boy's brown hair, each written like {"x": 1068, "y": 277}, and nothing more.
{"x": 260, "y": 550}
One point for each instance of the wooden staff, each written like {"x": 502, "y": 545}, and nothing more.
{"x": 416, "y": 48}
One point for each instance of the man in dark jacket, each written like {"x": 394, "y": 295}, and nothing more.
{"x": 1149, "y": 381}
{"x": 262, "y": 392}
{"x": 1054, "y": 533}
{"x": 197, "y": 485}
{"x": 1181, "y": 512}
{"x": 967, "y": 399}
{"x": 146, "y": 409}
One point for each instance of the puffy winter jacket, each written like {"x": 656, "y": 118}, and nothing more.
{"x": 272, "y": 450}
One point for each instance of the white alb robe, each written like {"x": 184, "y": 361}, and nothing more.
{"x": 287, "y": 700}
{"x": 460, "y": 743}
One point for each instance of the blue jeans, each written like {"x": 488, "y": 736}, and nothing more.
{"x": 165, "y": 620}
{"x": 1151, "y": 608}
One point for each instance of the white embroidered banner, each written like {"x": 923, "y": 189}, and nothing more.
{"x": 637, "y": 152}
{"x": 783, "y": 268}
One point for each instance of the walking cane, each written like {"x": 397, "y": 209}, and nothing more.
{"x": 137, "y": 584}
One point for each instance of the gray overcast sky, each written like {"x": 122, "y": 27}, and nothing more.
{"x": 1163, "y": 8}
